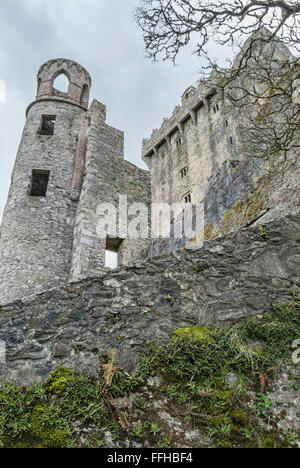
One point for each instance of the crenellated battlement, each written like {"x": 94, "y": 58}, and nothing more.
{"x": 191, "y": 101}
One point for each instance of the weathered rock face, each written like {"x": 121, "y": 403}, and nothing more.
{"x": 228, "y": 279}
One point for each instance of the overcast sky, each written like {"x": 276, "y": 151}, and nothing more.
{"x": 102, "y": 36}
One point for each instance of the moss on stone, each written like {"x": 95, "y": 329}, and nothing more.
{"x": 191, "y": 374}
{"x": 239, "y": 417}
{"x": 273, "y": 441}
{"x": 58, "y": 380}
{"x": 198, "y": 333}
{"x": 240, "y": 213}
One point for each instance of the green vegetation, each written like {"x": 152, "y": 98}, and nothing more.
{"x": 241, "y": 214}
{"x": 212, "y": 379}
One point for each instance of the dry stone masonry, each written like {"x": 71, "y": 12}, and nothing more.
{"x": 230, "y": 278}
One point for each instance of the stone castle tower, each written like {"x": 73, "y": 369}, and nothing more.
{"x": 67, "y": 159}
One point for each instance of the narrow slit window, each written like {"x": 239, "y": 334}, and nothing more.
{"x": 39, "y": 183}
{"x": 231, "y": 140}
{"x": 183, "y": 172}
{"x": 216, "y": 108}
{"x": 178, "y": 142}
{"x": 187, "y": 198}
{"x": 48, "y": 125}
{"x": 85, "y": 95}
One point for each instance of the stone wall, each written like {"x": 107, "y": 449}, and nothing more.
{"x": 107, "y": 177}
{"x": 205, "y": 145}
{"x": 79, "y": 82}
{"x": 202, "y": 134}
{"x": 228, "y": 279}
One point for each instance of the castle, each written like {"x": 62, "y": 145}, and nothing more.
{"x": 70, "y": 161}
{"x": 60, "y": 304}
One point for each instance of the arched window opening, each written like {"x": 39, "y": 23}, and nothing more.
{"x": 61, "y": 83}
{"x": 85, "y": 94}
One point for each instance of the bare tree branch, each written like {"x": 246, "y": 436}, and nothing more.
{"x": 261, "y": 85}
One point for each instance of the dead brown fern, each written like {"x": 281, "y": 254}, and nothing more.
{"x": 110, "y": 368}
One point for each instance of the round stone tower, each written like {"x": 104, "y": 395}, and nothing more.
{"x": 37, "y": 227}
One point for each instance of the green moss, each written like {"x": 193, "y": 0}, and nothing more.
{"x": 239, "y": 417}
{"x": 59, "y": 379}
{"x": 241, "y": 213}
{"x": 41, "y": 433}
{"x": 272, "y": 441}
{"x": 193, "y": 368}
{"x": 195, "y": 333}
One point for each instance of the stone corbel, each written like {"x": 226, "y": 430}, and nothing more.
{"x": 193, "y": 115}
{"x": 206, "y": 103}
{"x": 180, "y": 128}
{"x": 155, "y": 151}
{"x": 168, "y": 141}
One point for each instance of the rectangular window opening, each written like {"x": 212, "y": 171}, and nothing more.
{"x": 111, "y": 259}
{"x": 48, "y": 125}
{"x": 231, "y": 140}
{"x": 112, "y": 252}
{"x": 39, "y": 183}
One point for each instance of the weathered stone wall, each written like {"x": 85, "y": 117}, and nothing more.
{"x": 228, "y": 279}
{"x": 206, "y": 144}
{"x": 210, "y": 131}
{"x": 107, "y": 177}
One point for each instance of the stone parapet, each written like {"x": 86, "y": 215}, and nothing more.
{"x": 192, "y": 100}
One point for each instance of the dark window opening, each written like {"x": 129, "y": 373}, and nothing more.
{"x": 183, "y": 172}
{"x": 112, "y": 252}
{"x": 39, "y": 183}
{"x": 187, "y": 198}
{"x": 231, "y": 140}
{"x": 178, "y": 142}
{"x": 227, "y": 124}
{"x": 48, "y": 125}
{"x": 216, "y": 108}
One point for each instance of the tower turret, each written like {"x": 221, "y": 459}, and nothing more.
{"x": 79, "y": 82}
{"x": 37, "y": 228}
